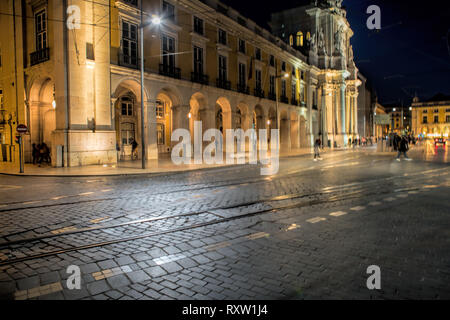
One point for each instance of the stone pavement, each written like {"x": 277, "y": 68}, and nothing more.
{"x": 352, "y": 210}
{"x": 163, "y": 165}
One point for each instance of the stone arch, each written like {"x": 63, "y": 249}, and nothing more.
{"x": 198, "y": 111}
{"x": 223, "y": 114}
{"x": 242, "y": 120}
{"x": 258, "y": 118}
{"x": 42, "y": 101}
{"x": 127, "y": 117}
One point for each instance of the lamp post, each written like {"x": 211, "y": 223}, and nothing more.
{"x": 155, "y": 21}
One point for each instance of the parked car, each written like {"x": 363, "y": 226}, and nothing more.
{"x": 440, "y": 141}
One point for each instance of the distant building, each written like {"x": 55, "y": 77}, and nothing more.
{"x": 367, "y": 100}
{"x": 431, "y": 118}
{"x": 379, "y": 129}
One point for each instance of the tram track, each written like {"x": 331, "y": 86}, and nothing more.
{"x": 193, "y": 213}
{"x": 353, "y": 191}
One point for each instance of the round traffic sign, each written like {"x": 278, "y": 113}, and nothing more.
{"x": 21, "y": 128}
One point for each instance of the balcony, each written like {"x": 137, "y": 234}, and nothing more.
{"x": 128, "y": 61}
{"x": 200, "y": 78}
{"x": 272, "y": 96}
{"x": 223, "y": 84}
{"x": 284, "y": 99}
{"x": 258, "y": 92}
{"x": 242, "y": 88}
{"x": 39, "y": 56}
{"x": 169, "y": 71}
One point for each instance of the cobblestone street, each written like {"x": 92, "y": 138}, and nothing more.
{"x": 309, "y": 232}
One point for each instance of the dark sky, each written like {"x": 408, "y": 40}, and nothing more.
{"x": 409, "y": 54}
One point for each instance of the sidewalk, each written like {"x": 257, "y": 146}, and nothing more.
{"x": 161, "y": 166}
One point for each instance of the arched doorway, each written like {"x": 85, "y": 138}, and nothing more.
{"x": 43, "y": 113}
{"x": 127, "y": 124}
{"x": 164, "y": 123}
{"x": 271, "y": 123}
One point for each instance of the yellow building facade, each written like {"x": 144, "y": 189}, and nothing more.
{"x": 431, "y": 119}
{"x": 70, "y": 71}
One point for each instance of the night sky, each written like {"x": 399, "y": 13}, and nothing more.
{"x": 409, "y": 54}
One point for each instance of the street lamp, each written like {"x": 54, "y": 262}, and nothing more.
{"x": 154, "y": 21}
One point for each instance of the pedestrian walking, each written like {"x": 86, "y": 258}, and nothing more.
{"x": 134, "y": 153}
{"x": 403, "y": 147}
{"x": 317, "y": 144}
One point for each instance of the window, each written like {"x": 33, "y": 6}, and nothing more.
{"x": 447, "y": 119}
{"x": 436, "y": 110}
{"x": 128, "y": 134}
{"x": 242, "y": 75}
{"x": 258, "y": 79}
{"x": 425, "y": 111}
{"x": 132, "y": 2}
{"x": 302, "y": 93}
{"x": 258, "y": 54}
{"x": 283, "y": 88}
{"x": 222, "y": 68}
{"x": 168, "y": 11}
{"x": 436, "y": 119}
{"x": 272, "y": 61}
{"x": 272, "y": 85}
{"x": 160, "y": 136}
{"x": 129, "y": 43}
{"x": 293, "y": 91}
{"x": 198, "y": 60}
{"x": 198, "y": 25}
{"x": 160, "y": 109}
{"x": 447, "y": 110}
{"x": 291, "y": 40}
{"x": 241, "y": 46}
{"x": 90, "y": 51}
{"x": 294, "y": 73}
{"x": 283, "y": 66}
{"x": 168, "y": 51}
{"x": 127, "y": 107}
{"x": 425, "y": 120}
{"x": 222, "y": 37}
{"x": 299, "y": 41}
{"x": 41, "y": 30}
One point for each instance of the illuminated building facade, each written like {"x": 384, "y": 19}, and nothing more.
{"x": 78, "y": 89}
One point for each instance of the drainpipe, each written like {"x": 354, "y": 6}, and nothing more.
{"x": 66, "y": 157}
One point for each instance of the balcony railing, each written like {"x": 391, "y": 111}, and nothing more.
{"x": 242, "y": 88}
{"x": 169, "y": 71}
{"x": 200, "y": 78}
{"x": 272, "y": 96}
{"x": 284, "y": 99}
{"x": 258, "y": 92}
{"x": 128, "y": 61}
{"x": 223, "y": 84}
{"x": 40, "y": 56}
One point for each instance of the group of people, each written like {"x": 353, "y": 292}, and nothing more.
{"x": 41, "y": 153}
{"x": 364, "y": 141}
{"x": 401, "y": 145}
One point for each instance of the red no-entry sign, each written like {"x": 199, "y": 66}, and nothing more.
{"x": 21, "y": 128}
